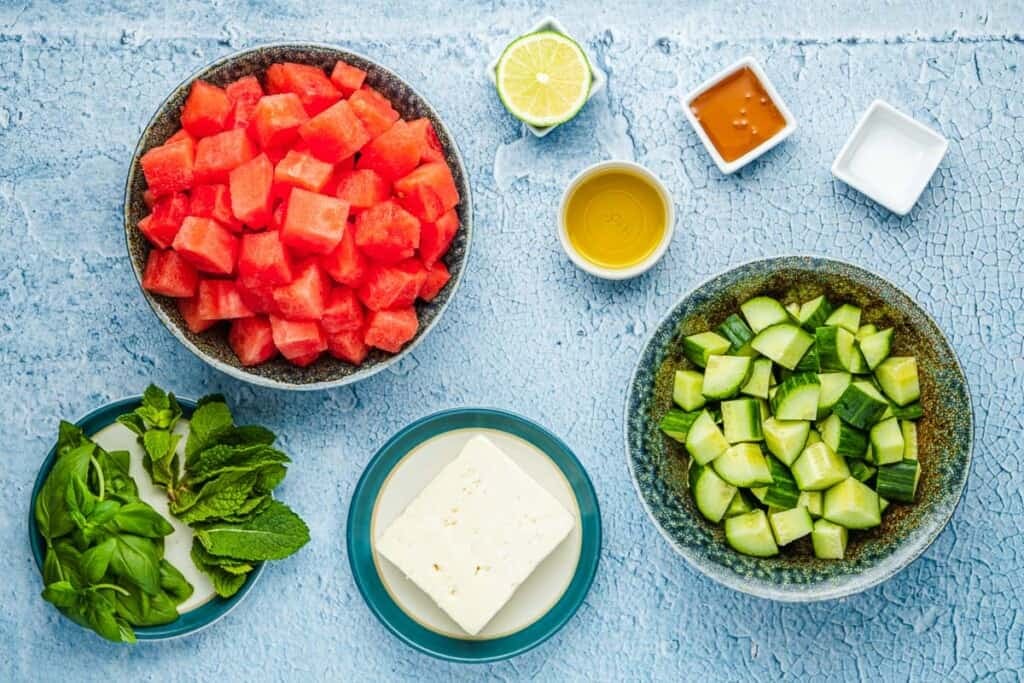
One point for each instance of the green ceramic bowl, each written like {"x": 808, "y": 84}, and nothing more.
{"x": 658, "y": 464}
{"x": 186, "y": 624}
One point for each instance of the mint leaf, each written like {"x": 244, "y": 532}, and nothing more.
{"x": 220, "y": 496}
{"x": 275, "y": 533}
{"x": 226, "y": 582}
{"x": 221, "y": 458}
{"x": 159, "y": 410}
{"x": 208, "y": 421}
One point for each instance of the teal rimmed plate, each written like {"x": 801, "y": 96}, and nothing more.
{"x": 542, "y": 604}
{"x": 658, "y": 464}
{"x": 188, "y": 623}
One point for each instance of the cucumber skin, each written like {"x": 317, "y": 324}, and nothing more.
{"x": 858, "y": 408}
{"x": 697, "y": 351}
{"x": 898, "y": 481}
{"x": 783, "y": 491}
{"x": 827, "y": 341}
{"x": 788, "y": 387}
{"x": 736, "y": 331}
{"x": 751, "y": 526}
{"x": 676, "y": 421}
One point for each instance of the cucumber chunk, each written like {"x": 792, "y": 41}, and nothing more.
{"x": 810, "y": 361}
{"x": 785, "y": 439}
{"x": 861, "y": 405}
{"x": 829, "y": 540}
{"x": 887, "y": 441}
{"x": 844, "y": 439}
{"x": 793, "y": 309}
{"x": 697, "y": 347}
{"x": 875, "y": 348}
{"x": 759, "y": 492}
{"x": 847, "y": 317}
{"x": 741, "y": 419}
{"x": 704, "y": 441}
{"x": 751, "y": 534}
{"x": 837, "y": 350}
{"x": 813, "y": 437}
{"x": 909, "y": 430}
{"x": 784, "y": 343}
{"x": 865, "y": 331}
{"x": 743, "y": 465}
{"x": 789, "y": 525}
{"x": 797, "y": 398}
{"x": 762, "y": 312}
{"x": 883, "y": 505}
{"x": 782, "y": 492}
{"x": 712, "y": 495}
{"x": 898, "y": 377}
{"x": 725, "y": 375}
{"x": 677, "y": 423}
{"x": 760, "y": 379}
{"x": 860, "y": 470}
{"x": 812, "y": 500}
{"x": 814, "y": 313}
{"x": 911, "y": 411}
{"x": 833, "y": 384}
{"x": 736, "y": 331}
{"x": 818, "y": 468}
{"x": 852, "y": 504}
{"x": 686, "y": 390}
{"x": 741, "y": 503}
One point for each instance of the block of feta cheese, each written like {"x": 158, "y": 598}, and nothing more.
{"x": 475, "y": 533}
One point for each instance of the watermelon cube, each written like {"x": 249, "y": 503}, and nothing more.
{"x": 148, "y": 198}
{"x": 310, "y": 83}
{"x": 348, "y": 346}
{"x": 304, "y": 297}
{"x": 437, "y": 278}
{"x": 427, "y": 192}
{"x": 387, "y": 233}
{"x": 180, "y": 134}
{"x": 343, "y": 312}
{"x": 252, "y": 340}
{"x": 207, "y": 245}
{"x": 394, "y": 153}
{"x": 275, "y": 79}
{"x": 373, "y": 109}
{"x": 313, "y": 223}
{"x": 219, "y": 300}
{"x": 334, "y": 134}
{"x": 189, "y": 309}
{"x": 167, "y": 273}
{"x": 432, "y": 150}
{"x": 163, "y": 223}
{"x": 436, "y": 237}
{"x": 346, "y": 264}
{"x": 263, "y": 260}
{"x": 276, "y": 120}
{"x": 259, "y": 298}
{"x": 206, "y": 110}
{"x": 214, "y": 201}
{"x": 362, "y": 189}
{"x": 169, "y": 167}
{"x": 243, "y": 95}
{"x": 304, "y": 361}
{"x": 297, "y": 338}
{"x": 390, "y": 330}
{"x": 250, "y": 185}
{"x": 393, "y": 286}
{"x": 347, "y": 78}
{"x": 299, "y": 169}
{"x": 218, "y": 155}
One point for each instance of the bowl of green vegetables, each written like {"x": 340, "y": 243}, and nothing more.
{"x": 799, "y": 429}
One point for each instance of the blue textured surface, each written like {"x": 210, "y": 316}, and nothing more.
{"x": 527, "y": 331}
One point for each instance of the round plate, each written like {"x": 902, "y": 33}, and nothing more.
{"x": 186, "y": 624}
{"x": 945, "y": 434}
{"x": 542, "y": 604}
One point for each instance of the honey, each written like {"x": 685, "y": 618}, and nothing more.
{"x": 737, "y": 114}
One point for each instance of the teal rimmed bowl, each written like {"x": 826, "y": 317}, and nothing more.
{"x": 945, "y": 433}
{"x": 186, "y": 624}
{"x": 361, "y": 552}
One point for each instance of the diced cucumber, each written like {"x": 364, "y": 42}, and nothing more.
{"x": 910, "y": 411}
{"x": 785, "y": 438}
{"x": 844, "y": 439}
{"x": 813, "y": 437}
{"x": 686, "y": 390}
{"x": 865, "y": 331}
{"x": 762, "y": 312}
{"x": 812, "y": 500}
{"x": 677, "y": 423}
{"x": 899, "y": 480}
{"x": 847, "y": 317}
{"x": 744, "y": 465}
{"x": 797, "y": 398}
{"x": 861, "y": 405}
{"x": 705, "y": 441}
{"x": 697, "y": 347}
{"x": 712, "y": 495}
{"x": 858, "y": 365}
{"x": 852, "y": 504}
{"x": 860, "y": 470}
{"x": 784, "y": 343}
{"x": 833, "y": 384}
{"x": 898, "y": 377}
{"x": 818, "y": 468}
{"x": 869, "y": 455}
{"x": 875, "y": 348}
{"x": 889, "y": 412}
{"x": 736, "y": 331}
{"x": 793, "y": 308}
{"x": 810, "y": 361}
{"x": 760, "y": 378}
{"x": 759, "y": 492}
{"x": 741, "y": 419}
{"x": 829, "y": 540}
{"x": 883, "y": 505}
{"x": 741, "y": 503}
{"x": 909, "y": 430}
{"x": 790, "y": 525}
{"x": 814, "y": 313}
{"x": 782, "y": 492}
{"x": 725, "y": 375}
{"x": 836, "y": 349}
{"x": 751, "y": 534}
{"x": 887, "y": 441}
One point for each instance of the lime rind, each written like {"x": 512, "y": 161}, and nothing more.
{"x": 563, "y": 116}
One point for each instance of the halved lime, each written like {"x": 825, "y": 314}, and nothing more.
{"x": 543, "y": 78}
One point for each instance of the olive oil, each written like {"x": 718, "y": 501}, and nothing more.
{"x": 615, "y": 218}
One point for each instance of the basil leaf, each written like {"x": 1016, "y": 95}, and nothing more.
{"x": 117, "y": 478}
{"x": 140, "y": 519}
{"x": 135, "y": 560}
{"x": 69, "y": 559}
{"x": 96, "y": 559}
{"x": 51, "y": 509}
{"x": 174, "y": 583}
{"x": 61, "y": 594}
{"x": 142, "y": 609}
{"x": 275, "y": 533}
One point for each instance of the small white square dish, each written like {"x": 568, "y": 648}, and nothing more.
{"x": 890, "y": 157}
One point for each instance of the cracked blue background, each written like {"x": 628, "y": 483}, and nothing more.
{"x": 527, "y": 331}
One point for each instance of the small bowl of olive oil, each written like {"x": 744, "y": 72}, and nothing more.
{"x": 616, "y": 220}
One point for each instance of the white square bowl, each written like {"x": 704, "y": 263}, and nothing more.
{"x": 728, "y": 167}
{"x": 597, "y": 81}
{"x": 905, "y": 151}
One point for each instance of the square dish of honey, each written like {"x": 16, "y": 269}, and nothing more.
{"x": 738, "y": 115}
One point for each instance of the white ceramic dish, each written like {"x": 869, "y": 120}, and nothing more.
{"x": 551, "y": 24}
{"x": 736, "y": 164}
{"x": 890, "y": 157}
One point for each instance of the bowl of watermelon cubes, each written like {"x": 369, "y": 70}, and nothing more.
{"x": 297, "y": 215}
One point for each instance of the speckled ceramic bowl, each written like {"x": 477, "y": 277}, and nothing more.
{"x": 658, "y": 464}
{"x": 212, "y": 346}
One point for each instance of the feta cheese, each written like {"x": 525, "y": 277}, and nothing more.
{"x": 475, "y": 533}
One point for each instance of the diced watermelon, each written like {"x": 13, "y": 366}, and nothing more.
{"x": 276, "y": 154}
{"x": 219, "y": 300}
{"x": 347, "y": 78}
{"x": 348, "y": 346}
{"x": 311, "y": 84}
{"x": 334, "y": 134}
{"x": 304, "y": 361}
{"x": 163, "y": 223}
{"x": 362, "y": 189}
{"x": 394, "y": 153}
{"x": 343, "y": 312}
{"x": 297, "y": 338}
{"x": 263, "y": 260}
{"x": 346, "y": 264}
{"x": 276, "y": 120}
{"x": 170, "y": 167}
{"x": 298, "y": 169}
{"x": 432, "y": 150}
{"x": 436, "y": 237}
{"x": 313, "y": 223}
{"x": 214, "y": 201}
{"x": 218, "y": 155}
{"x": 275, "y": 79}
{"x": 169, "y": 274}
{"x": 250, "y": 186}
{"x": 259, "y": 298}
{"x": 243, "y": 95}
{"x": 373, "y": 109}
{"x": 393, "y": 286}
{"x": 148, "y": 198}
{"x": 427, "y": 192}
{"x": 437, "y": 277}
{"x": 206, "y": 110}
{"x": 189, "y": 309}
{"x": 252, "y": 340}
{"x": 181, "y": 134}
{"x": 387, "y": 233}
{"x": 277, "y": 216}
{"x": 304, "y": 297}
{"x": 207, "y": 245}
{"x": 390, "y": 330}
